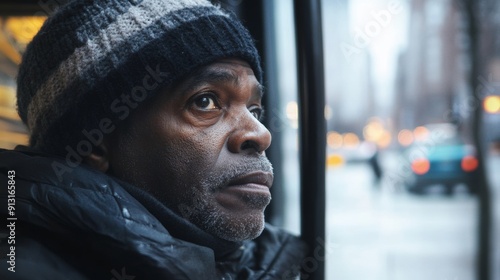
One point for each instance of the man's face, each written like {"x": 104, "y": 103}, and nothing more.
{"x": 199, "y": 148}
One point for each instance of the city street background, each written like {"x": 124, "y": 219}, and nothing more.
{"x": 380, "y": 231}
{"x": 383, "y": 232}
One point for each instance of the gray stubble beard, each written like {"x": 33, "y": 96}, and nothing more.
{"x": 206, "y": 214}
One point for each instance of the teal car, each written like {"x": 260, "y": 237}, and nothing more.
{"x": 444, "y": 161}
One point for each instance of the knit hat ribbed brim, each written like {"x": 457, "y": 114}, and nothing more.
{"x": 91, "y": 53}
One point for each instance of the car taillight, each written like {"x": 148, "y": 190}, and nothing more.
{"x": 420, "y": 166}
{"x": 469, "y": 163}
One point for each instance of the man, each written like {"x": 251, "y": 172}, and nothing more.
{"x": 147, "y": 154}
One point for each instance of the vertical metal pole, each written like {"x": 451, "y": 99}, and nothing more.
{"x": 474, "y": 20}
{"x": 312, "y": 132}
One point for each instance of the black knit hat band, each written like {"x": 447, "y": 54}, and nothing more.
{"x": 146, "y": 47}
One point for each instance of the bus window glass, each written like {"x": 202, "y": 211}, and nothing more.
{"x": 401, "y": 195}
{"x": 287, "y": 113}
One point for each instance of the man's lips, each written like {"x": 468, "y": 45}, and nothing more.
{"x": 247, "y": 192}
{"x": 257, "y": 179}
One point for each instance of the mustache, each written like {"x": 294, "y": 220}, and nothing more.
{"x": 221, "y": 178}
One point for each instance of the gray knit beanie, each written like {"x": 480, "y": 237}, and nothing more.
{"x": 93, "y": 61}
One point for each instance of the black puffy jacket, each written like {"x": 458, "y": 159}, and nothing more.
{"x": 89, "y": 225}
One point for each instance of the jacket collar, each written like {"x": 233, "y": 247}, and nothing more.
{"x": 92, "y": 202}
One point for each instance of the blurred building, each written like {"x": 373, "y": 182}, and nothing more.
{"x": 348, "y": 82}
{"x": 431, "y": 84}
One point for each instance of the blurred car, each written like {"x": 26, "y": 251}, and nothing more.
{"x": 442, "y": 158}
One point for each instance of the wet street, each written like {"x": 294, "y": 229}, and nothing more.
{"x": 381, "y": 232}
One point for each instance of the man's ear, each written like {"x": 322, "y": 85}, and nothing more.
{"x": 99, "y": 158}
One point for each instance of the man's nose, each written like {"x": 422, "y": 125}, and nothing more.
{"x": 249, "y": 136}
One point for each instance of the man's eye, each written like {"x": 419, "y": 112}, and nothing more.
{"x": 258, "y": 113}
{"x": 206, "y": 102}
